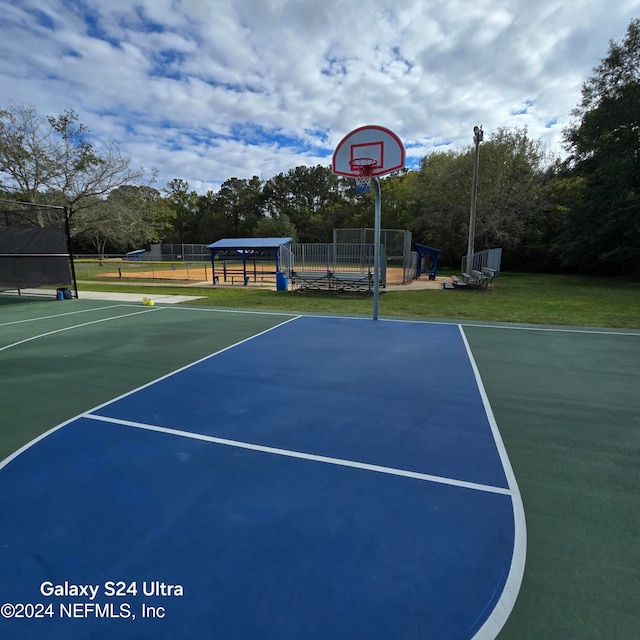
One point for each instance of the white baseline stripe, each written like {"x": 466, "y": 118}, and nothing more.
{"x": 61, "y": 315}
{"x": 600, "y": 332}
{"x": 505, "y": 604}
{"x": 75, "y": 326}
{"x": 450, "y": 323}
{"x": 507, "y": 327}
{"x": 234, "y": 311}
{"x": 301, "y": 455}
{"x": 447, "y": 323}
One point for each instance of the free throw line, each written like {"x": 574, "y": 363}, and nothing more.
{"x": 301, "y": 455}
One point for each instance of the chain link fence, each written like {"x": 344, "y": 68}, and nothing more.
{"x": 397, "y": 245}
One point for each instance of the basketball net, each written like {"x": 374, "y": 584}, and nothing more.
{"x": 362, "y": 169}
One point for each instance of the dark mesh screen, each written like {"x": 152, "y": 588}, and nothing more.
{"x": 33, "y": 249}
{"x": 35, "y": 240}
{"x": 23, "y": 271}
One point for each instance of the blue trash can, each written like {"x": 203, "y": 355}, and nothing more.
{"x": 282, "y": 284}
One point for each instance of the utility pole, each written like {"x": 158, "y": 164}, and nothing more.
{"x": 478, "y": 134}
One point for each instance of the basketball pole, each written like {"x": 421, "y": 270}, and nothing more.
{"x": 376, "y": 247}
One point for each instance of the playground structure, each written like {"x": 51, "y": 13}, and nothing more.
{"x": 426, "y": 261}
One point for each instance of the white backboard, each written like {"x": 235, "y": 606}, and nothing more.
{"x": 369, "y": 143}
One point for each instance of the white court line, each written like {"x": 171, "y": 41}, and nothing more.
{"x": 509, "y": 327}
{"x": 75, "y": 326}
{"x": 37, "y": 439}
{"x": 507, "y": 600}
{"x": 60, "y": 315}
{"x": 302, "y": 456}
{"x": 192, "y": 364}
{"x": 447, "y": 323}
{"x": 601, "y": 332}
{"x": 240, "y": 311}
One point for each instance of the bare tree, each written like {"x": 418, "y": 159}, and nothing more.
{"x": 29, "y": 153}
{"x": 41, "y": 158}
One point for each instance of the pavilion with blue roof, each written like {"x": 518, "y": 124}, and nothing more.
{"x": 249, "y": 249}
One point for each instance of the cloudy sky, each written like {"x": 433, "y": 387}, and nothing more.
{"x": 205, "y": 90}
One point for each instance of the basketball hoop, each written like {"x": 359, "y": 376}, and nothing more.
{"x": 362, "y": 169}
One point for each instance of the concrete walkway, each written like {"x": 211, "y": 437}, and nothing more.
{"x": 415, "y": 285}
{"x": 117, "y": 297}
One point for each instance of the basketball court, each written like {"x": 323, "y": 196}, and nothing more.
{"x": 240, "y": 474}
{"x": 294, "y": 484}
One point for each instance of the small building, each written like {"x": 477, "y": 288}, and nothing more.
{"x": 137, "y": 255}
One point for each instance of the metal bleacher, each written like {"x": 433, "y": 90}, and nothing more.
{"x": 484, "y": 269}
{"x": 333, "y": 267}
{"x": 334, "y": 282}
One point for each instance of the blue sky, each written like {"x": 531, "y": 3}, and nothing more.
{"x": 205, "y": 90}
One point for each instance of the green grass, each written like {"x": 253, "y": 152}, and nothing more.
{"x": 516, "y": 297}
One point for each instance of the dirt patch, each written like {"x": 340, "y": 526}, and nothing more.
{"x": 235, "y": 277}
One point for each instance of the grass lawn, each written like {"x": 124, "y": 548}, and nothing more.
{"x": 516, "y": 297}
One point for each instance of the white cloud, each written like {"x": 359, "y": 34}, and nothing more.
{"x": 205, "y": 90}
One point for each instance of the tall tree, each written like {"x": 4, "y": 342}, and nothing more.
{"x": 128, "y": 217}
{"x": 40, "y": 156}
{"x": 242, "y": 204}
{"x": 439, "y": 196}
{"x": 511, "y": 194}
{"x": 306, "y": 195}
{"x": 210, "y": 222}
{"x": 183, "y": 204}
{"x": 280, "y": 227}
{"x": 604, "y": 142}
{"x": 30, "y": 155}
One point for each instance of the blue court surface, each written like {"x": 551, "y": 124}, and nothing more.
{"x": 327, "y": 478}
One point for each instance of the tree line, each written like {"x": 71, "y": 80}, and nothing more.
{"x": 580, "y": 213}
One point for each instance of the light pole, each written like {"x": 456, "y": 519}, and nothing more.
{"x": 477, "y": 139}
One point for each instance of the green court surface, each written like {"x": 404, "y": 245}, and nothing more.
{"x": 568, "y": 409}
{"x": 86, "y": 352}
{"x": 565, "y": 400}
